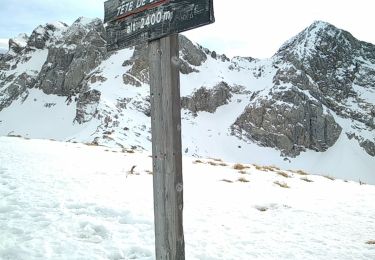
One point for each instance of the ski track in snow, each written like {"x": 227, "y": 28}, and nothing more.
{"x": 72, "y": 201}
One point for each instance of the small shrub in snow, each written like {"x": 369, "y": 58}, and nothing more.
{"x": 226, "y": 180}
{"x": 242, "y": 172}
{"x": 371, "y": 242}
{"x": 197, "y": 161}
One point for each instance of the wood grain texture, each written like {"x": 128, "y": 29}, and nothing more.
{"x": 166, "y": 148}
{"x": 161, "y": 19}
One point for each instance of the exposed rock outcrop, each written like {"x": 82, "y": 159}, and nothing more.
{"x": 18, "y": 44}
{"x": 191, "y": 57}
{"x": 289, "y": 121}
{"x": 87, "y": 105}
{"x": 207, "y": 99}
{"x": 81, "y": 50}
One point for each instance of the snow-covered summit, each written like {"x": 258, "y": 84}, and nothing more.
{"x": 47, "y": 35}
{"x": 318, "y": 39}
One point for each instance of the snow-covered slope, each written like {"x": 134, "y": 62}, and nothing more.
{"x": 58, "y": 200}
{"x": 280, "y": 111}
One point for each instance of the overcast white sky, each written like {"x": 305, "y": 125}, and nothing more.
{"x": 255, "y": 28}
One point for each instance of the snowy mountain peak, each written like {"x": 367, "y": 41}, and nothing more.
{"x": 46, "y": 35}
{"x": 314, "y": 98}
{"x": 319, "y": 38}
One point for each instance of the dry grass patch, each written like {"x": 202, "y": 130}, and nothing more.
{"x": 306, "y": 179}
{"x": 213, "y": 163}
{"x": 216, "y": 160}
{"x": 124, "y": 150}
{"x": 261, "y": 208}
{"x": 283, "y": 174}
{"x": 149, "y": 172}
{"x": 282, "y": 184}
{"x": 371, "y": 242}
{"x": 14, "y": 135}
{"x": 300, "y": 172}
{"x": 240, "y": 167}
{"x": 223, "y": 164}
{"x": 329, "y": 177}
{"x": 273, "y": 168}
{"x": 243, "y": 179}
{"x": 266, "y": 168}
{"x": 197, "y": 161}
{"x": 226, "y": 180}
{"x": 242, "y": 172}
{"x": 92, "y": 144}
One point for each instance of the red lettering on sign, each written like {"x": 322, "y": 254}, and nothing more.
{"x": 144, "y": 8}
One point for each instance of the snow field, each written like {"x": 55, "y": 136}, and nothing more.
{"x": 72, "y": 201}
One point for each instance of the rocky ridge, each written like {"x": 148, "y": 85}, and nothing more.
{"x": 318, "y": 87}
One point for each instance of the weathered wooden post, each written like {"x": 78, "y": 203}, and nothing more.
{"x": 131, "y": 22}
{"x": 166, "y": 148}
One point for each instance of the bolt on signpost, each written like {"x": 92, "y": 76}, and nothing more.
{"x": 132, "y": 22}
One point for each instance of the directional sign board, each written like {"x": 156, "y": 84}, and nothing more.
{"x": 131, "y": 22}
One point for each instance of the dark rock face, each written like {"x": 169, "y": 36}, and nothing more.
{"x": 65, "y": 68}
{"x": 207, "y": 99}
{"x": 87, "y": 106}
{"x": 327, "y": 63}
{"x": 41, "y": 36}
{"x": 290, "y": 122}
{"x": 16, "y": 46}
{"x": 138, "y": 73}
{"x": 191, "y": 56}
{"x": 368, "y": 146}
{"x": 17, "y": 89}
{"x": 190, "y": 53}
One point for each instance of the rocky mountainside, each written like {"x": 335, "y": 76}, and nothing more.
{"x": 320, "y": 73}
{"x": 308, "y": 106}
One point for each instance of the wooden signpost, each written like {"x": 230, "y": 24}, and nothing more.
{"x": 131, "y": 22}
